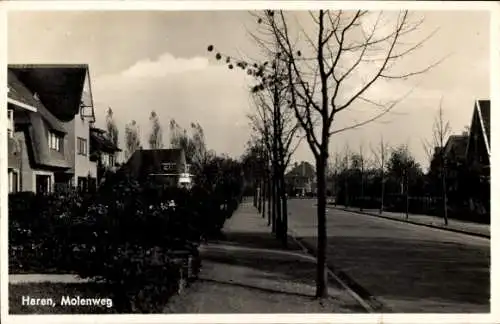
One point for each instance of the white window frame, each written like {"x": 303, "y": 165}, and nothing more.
{"x": 50, "y": 176}
{"x": 84, "y": 141}
{"x": 10, "y": 123}
{"x": 55, "y": 142}
{"x": 11, "y": 180}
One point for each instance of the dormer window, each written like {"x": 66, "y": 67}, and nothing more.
{"x": 55, "y": 141}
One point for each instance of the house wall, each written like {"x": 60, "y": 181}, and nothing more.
{"x": 81, "y": 166}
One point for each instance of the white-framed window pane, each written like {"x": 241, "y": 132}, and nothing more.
{"x": 10, "y": 182}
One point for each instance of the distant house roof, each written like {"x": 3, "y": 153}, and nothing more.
{"x": 304, "y": 169}
{"x": 99, "y": 142}
{"x": 145, "y": 162}
{"x": 482, "y": 112}
{"x": 60, "y": 87}
{"x": 456, "y": 146}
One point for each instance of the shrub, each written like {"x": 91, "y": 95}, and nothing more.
{"x": 126, "y": 235}
{"x": 38, "y": 225}
{"x": 132, "y": 240}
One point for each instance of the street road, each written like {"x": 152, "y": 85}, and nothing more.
{"x": 407, "y": 267}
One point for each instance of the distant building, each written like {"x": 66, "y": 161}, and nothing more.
{"x": 167, "y": 166}
{"x": 301, "y": 180}
{"x": 478, "y": 150}
{"x": 102, "y": 151}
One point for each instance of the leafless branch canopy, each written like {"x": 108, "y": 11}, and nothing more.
{"x": 333, "y": 58}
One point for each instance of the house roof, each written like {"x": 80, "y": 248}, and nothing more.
{"x": 482, "y": 111}
{"x": 484, "y": 114}
{"x": 19, "y": 92}
{"x": 456, "y": 146}
{"x": 39, "y": 148}
{"x": 60, "y": 87}
{"x": 36, "y": 123}
{"x": 149, "y": 161}
{"x": 100, "y": 142}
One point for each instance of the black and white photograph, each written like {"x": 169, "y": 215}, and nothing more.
{"x": 323, "y": 159}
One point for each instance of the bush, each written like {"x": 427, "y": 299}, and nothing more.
{"x": 37, "y": 226}
{"x": 127, "y": 235}
{"x": 132, "y": 240}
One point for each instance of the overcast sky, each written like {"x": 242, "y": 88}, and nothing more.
{"x": 143, "y": 61}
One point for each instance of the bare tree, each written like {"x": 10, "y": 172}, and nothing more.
{"x": 345, "y": 50}
{"x": 279, "y": 129}
{"x": 380, "y": 156}
{"x": 111, "y": 129}
{"x": 156, "y": 135}
{"x": 346, "y": 170}
{"x": 132, "y": 140}
{"x": 335, "y": 171}
{"x": 440, "y": 131}
{"x": 362, "y": 174}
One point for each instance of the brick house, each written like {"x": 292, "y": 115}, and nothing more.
{"x": 50, "y": 110}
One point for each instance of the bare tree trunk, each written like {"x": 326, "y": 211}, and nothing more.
{"x": 269, "y": 200}
{"x": 407, "y": 195}
{"x": 273, "y": 202}
{"x": 362, "y": 190}
{"x": 445, "y": 197}
{"x": 255, "y": 196}
{"x": 321, "y": 275}
{"x": 335, "y": 188}
{"x": 259, "y": 196}
{"x": 279, "y": 219}
{"x": 383, "y": 193}
{"x": 346, "y": 203}
{"x": 264, "y": 196}
{"x": 284, "y": 208}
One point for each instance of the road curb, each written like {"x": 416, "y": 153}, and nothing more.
{"x": 361, "y": 295}
{"x": 415, "y": 223}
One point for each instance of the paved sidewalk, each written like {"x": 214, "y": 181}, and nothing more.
{"x": 465, "y": 227}
{"x": 249, "y": 272}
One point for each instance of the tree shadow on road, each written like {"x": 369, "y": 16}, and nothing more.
{"x": 256, "y": 240}
{"x": 273, "y": 264}
{"x": 413, "y": 270}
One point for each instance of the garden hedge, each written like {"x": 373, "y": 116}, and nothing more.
{"x": 126, "y": 236}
